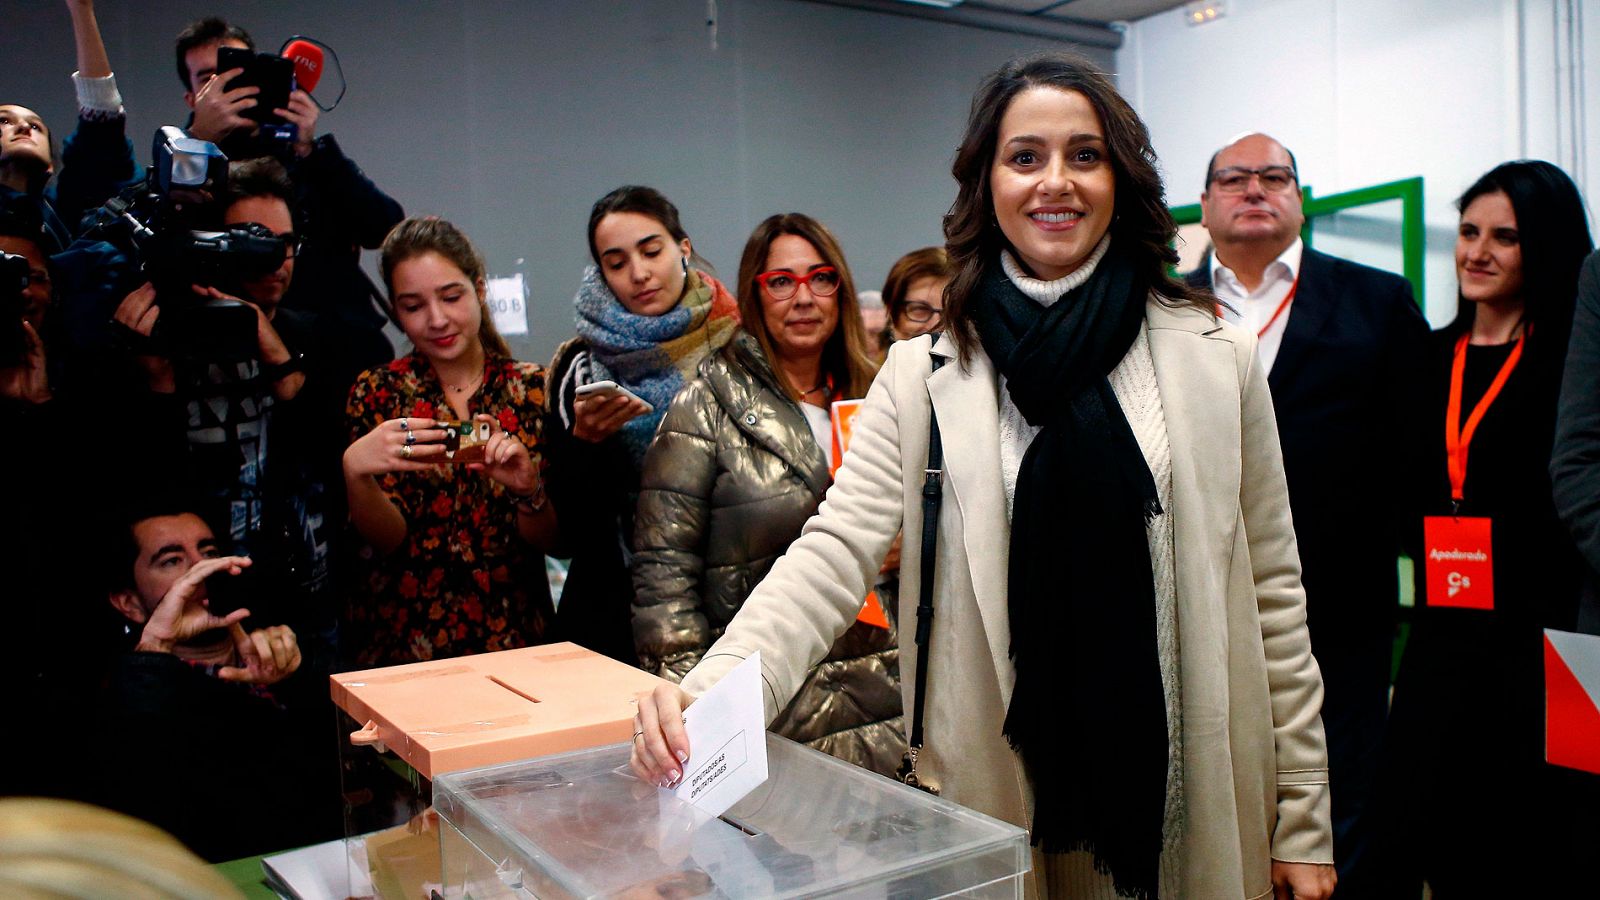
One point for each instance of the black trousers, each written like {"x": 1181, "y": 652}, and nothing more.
{"x": 1355, "y": 705}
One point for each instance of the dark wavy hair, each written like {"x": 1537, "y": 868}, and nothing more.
{"x": 1553, "y": 235}
{"x": 263, "y": 176}
{"x": 844, "y": 357}
{"x": 1140, "y": 219}
{"x": 210, "y": 30}
{"x": 635, "y": 198}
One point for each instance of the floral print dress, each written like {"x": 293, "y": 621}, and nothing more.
{"x": 463, "y": 581}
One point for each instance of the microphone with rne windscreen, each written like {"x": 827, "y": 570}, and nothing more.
{"x": 308, "y": 60}
{"x": 315, "y": 63}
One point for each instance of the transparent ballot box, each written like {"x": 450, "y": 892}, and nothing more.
{"x": 402, "y": 727}
{"x": 580, "y": 825}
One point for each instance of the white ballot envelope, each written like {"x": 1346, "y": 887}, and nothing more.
{"x": 727, "y": 741}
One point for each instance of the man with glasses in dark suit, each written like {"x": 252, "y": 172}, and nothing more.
{"x": 1342, "y": 344}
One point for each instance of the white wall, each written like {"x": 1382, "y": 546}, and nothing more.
{"x": 1369, "y": 91}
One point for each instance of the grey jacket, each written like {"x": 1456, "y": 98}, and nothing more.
{"x": 733, "y": 474}
{"x": 1575, "y": 465}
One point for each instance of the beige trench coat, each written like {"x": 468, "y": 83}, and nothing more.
{"x": 1255, "y": 761}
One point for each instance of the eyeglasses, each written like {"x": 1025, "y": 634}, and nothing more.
{"x": 918, "y": 312}
{"x": 1235, "y": 179}
{"x": 823, "y": 282}
{"x": 292, "y": 243}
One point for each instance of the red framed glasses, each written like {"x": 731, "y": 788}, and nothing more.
{"x": 780, "y": 285}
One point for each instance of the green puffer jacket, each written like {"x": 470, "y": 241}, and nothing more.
{"x": 733, "y": 474}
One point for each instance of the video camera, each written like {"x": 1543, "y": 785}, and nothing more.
{"x": 154, "y": 223}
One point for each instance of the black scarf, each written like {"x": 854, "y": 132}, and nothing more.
{"x": 1088, "y": 714}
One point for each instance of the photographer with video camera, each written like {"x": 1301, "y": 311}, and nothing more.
{"x": 341, "y": 209}
{"x": 241, "y": 399}
{"x": 194, "y": 707}
{"x": 97, "y": 160}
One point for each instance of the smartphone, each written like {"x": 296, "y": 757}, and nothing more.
{"x": 465, "y": 442}
{"x": 274, "y": 75}
{"x": 226, "y": 593}
{"x": 610, "y": 389}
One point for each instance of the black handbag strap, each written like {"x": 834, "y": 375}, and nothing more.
{"x": 932, "y": 493}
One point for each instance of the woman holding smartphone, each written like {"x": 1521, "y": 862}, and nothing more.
{"x": 647, "y": 316}
{"x": 454, "y": 558}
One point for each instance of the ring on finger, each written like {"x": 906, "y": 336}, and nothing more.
{"x": 411, "y": 437}
{"x": 405, "y": 452}
{"x": 637, "y": 734}
{"x": 404, "y": 426}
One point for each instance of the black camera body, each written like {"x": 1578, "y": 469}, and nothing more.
{"x": 13, "y": 282}
{"x": 224, "y": 330}
{"x": 155, "y": 225}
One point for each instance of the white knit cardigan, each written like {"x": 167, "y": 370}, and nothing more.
{"x": 1134, "y": 383}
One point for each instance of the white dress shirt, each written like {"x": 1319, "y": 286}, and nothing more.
{"x": 821, "y": 422}
{"x": 1252, "y": 309}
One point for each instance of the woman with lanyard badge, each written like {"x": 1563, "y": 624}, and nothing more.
{"x": 1118, "y": 658}
{"x": 1472, "y": 806}
{"x": 648, "y": 313}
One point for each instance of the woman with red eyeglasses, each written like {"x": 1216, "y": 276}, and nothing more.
{"x": 738, "y": 466}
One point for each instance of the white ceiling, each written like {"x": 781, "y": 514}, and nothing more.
{"x": 1082, "y": 10}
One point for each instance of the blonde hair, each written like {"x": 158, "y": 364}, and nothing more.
{"x": 431, "y": 234}
{"x": 64, "y": 849}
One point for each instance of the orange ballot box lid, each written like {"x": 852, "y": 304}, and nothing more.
{"x": 450, "y": 714}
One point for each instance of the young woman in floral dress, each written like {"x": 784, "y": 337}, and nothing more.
{"x": 453, "y": 562}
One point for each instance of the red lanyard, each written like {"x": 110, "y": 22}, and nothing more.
{"x": 1456, "y": 437}
{"x": 1283, "y": 305}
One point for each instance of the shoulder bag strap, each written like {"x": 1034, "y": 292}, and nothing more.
{"x": 932, "y": 494}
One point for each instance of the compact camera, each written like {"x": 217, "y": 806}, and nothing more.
{"x": 466, "y": 442}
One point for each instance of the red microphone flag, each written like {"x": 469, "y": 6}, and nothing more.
{"x": 307, "y": 64}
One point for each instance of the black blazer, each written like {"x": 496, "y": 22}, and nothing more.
{"x": 1347, "y": 389}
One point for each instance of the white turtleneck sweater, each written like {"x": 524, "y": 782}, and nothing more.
{"x": 1133, "y": 382}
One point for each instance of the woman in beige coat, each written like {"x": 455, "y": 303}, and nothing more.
{"x": 1119, "y": 658}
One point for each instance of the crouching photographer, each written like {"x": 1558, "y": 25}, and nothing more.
{"x": 195, "y": 707}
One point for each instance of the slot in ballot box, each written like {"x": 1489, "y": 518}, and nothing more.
{"x": 579, "y": 825}
{"x": 401, "y": 727}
